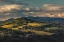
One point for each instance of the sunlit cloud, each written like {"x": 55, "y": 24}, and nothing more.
{"x": 16, "y": 11}
{"x": 53, "y": 7}
{"x": 10, "y": 8}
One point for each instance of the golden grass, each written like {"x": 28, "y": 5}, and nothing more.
{"x": 54, "y": 28}
{"x": 14, "y": 28}
{"x": 51, "y": 28}
{"x": 7, "y": 26}
{"x": 34, "y": 24}
{"x": 20, "y": 27}
{"x": 38, "y": 32}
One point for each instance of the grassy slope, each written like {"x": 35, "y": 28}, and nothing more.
{"x": 36, "y": 24}
{"x": 38, "y": 32}
{"x": 7, "y": 26}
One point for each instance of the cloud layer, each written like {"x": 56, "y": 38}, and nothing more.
{"x": 10, "y": 8}
{"x": 16, "y": 11}
{"x": 53, "y": 7}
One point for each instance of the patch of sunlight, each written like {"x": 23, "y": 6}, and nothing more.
{"x": 38, "y": 32}
{"x": 34, "y": 24}
{"x": 51, "y": 28}
{"x": 8, "y": 26}
{"x": 14, "y": 28}
{"x": 20, "y": 27}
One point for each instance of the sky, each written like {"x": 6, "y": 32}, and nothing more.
{"x": 35, "y": 8}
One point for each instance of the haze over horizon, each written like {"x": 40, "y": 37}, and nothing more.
{"x": 35, "y": 8}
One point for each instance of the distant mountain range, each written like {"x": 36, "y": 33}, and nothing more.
{"x": 47, "y": 19}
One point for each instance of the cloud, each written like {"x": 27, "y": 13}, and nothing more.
{"x": 53, "y": 7}
{"x": 16, "y": 11}
{"x": 10, "y": 8}
{"x": 10, "y": 11}
{"x": 14, "y": 8}
{"x": 49, "y": 10}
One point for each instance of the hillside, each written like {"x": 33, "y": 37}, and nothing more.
{"x": 30, "y": 23}
{"x": 24, "y": 29}
{"x": 48, "y": 19}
